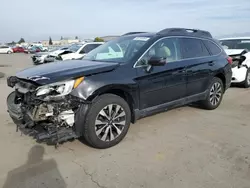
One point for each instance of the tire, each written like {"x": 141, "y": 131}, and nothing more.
{"x": 94, "y": 134}
{"x": 215, "y": 94}
{"x": 9, "y": 52}
{"x": 246, "y": 83}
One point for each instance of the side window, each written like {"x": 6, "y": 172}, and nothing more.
{"x": 213, "y": 48}
{"x": 88, "y": 48}
{"x": 193, "y": 48}
{"x": 168, "y": 48}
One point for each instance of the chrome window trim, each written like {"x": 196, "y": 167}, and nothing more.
{"x": 134, "y": 66}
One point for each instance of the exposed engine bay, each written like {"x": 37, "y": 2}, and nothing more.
{"x": 43, "y": 112}
{"x": 238, "y": 59}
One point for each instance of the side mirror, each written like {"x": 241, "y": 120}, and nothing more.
{"x": 157, "y": 61}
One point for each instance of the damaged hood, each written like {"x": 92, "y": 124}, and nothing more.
{"x": 41, "y": 53}
{"x": 235, "y": 51}
{"x": 64, "y": 70}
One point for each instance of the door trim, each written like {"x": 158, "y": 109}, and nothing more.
{"x": 169, "y": 105}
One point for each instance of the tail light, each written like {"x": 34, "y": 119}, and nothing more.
{"x": 230, "y": 60}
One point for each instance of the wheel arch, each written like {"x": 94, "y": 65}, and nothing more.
{"x": 223, "y": 79}
{"x": 119, "y": 90}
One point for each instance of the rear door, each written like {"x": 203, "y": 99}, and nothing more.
{"x": 162, "y": 84}
{"x": 199, "y": 65}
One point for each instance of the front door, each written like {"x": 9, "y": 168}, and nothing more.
{"x": 162, "y": 84}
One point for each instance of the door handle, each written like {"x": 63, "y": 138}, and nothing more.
{"x": 211, "y": 63}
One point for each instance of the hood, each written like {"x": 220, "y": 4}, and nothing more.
{"x": 63, "y": 70}
{"x": 41, "y": 53}
{"x": 235, "y": 51}
{"x": 56, "y": 53}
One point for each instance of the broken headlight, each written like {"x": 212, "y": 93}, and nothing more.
{"x": 59, "y": 88}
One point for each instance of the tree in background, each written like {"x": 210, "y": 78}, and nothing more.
{"x": 98, "y": 39}
{"x": 76, "y": 37}
{"x": 11, "y": 43}
{"x": 50, "y": 41}
{"x": 21, "y": 41}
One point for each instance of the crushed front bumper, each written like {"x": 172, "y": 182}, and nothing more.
{"x": 14, "y": 110}
{"x": 43, "y": 131}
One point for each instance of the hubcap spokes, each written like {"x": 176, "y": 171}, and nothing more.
{"x": 215, "y": 94}
{"x": 110, "y": 122}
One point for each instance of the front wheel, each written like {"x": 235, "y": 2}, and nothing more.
{"x": 215, "y": 94}
{"x": 247, "y": 79}
{"x": 107, "y": 122}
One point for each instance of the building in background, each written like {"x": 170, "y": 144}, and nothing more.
{"x": 108, "y": 38}
{"x": 64, "y": 41}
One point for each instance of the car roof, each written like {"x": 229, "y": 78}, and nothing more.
{"x": 236, "y": 38}
{"x": 174, "y": 32}
{"x": 140, "y": 34}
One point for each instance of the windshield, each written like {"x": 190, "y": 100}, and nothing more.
{"x": 236, "y": 44}
{"x": 74, "y": 47}
{"x": 119, "y": 50}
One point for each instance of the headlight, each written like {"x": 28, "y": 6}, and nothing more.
{"x": 59, "y": 88}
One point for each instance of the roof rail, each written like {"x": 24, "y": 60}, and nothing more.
{"x": 185, "y": 31}
{"x": 132, "y": 33}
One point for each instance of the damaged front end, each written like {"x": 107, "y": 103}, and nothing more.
{"x": 46, "y": 113}
{"x": 240, "y": 64}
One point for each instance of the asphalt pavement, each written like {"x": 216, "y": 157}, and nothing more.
{"x": 183, "y": 148}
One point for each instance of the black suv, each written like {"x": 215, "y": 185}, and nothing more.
{"x": 133, "y": 76}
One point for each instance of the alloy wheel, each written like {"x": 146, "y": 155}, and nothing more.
{"x": 215, "y": 93}
{"x": 110, "y": 122}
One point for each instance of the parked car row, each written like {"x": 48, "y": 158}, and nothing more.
{"x": 19, "y": 49}
{"x": 117, "y": 83}
{"x": 72, "y": 52}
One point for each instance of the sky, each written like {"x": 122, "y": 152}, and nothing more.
{"x": 36, "y": 20}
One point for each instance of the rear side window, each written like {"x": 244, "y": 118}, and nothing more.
{"x": 213, "y": 48}
{"x": 193, "y": 48}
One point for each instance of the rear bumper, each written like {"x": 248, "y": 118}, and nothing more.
{"x": 228, "y": 77}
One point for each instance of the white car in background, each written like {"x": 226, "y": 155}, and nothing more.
{"x": 239, "y": 49}
{"x": 78, "y": 51}
{"x": 5, "y": 50}
{"x": 45, "y": 57}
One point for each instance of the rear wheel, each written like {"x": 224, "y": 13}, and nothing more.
{"x": 107, "y": 122}
{"x": 215, "y": 94}
{"x": 246, "y": 83}
{"x": 9, "y": 52}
